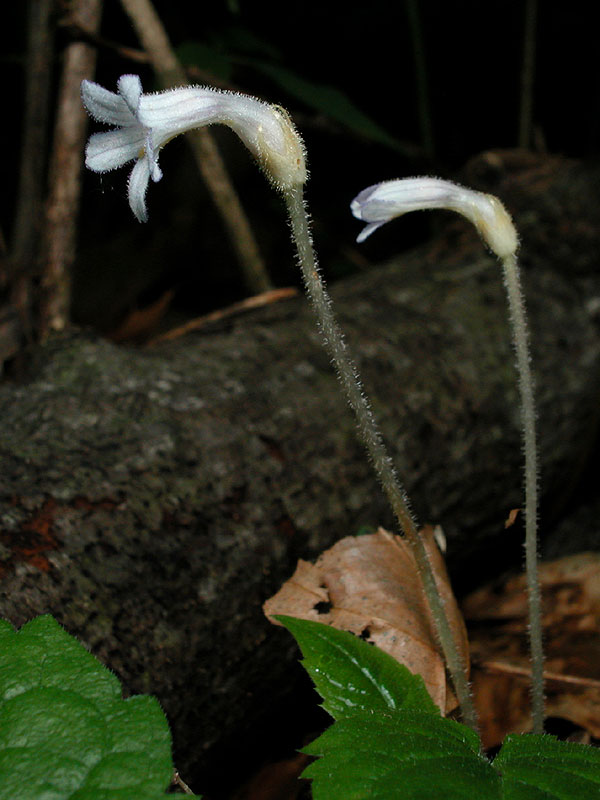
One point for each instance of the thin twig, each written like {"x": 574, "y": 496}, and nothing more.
{"x": 65, "y": 176}
{"x": 250, "y": 303}
{"x": 506, "y": 668}
{"x": 79, "y": 33}
{"x": 155, "y": 41}
{"x": 177, "y": 781}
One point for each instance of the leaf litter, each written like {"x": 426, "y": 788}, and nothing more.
{"x": 369, "y": 585}
{"x": 496, "y": 617}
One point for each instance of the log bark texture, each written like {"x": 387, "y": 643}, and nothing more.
{"x": 152, "y": 499}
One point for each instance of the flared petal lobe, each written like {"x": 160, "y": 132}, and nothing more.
{"x": 130, "y": 89}
{"x": 105, "y": 106}
{"x": 113, "y": 149}
{"x": 137, "y": 186}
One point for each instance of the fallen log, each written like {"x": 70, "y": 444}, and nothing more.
{"x": 152, "y": 499}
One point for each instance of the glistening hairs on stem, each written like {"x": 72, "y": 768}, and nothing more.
{"x": 142, "y": 125}
{"x": 382, "y": 202}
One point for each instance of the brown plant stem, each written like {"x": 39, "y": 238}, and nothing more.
{"x": 32, "y": 175}
{"x": 58, "y": 252}
{"x": 155, "y": 41}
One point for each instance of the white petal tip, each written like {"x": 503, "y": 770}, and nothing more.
{"x": 367, "y": 231}
{"x": 130, "y": 89}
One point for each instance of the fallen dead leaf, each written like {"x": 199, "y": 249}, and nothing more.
{"x": 369, "y": 585}
{"x": 496, "y": 616}
{"x": 512, "y": 517}
{"x": 140, "y": 323}
{"x": 278, "y": 781}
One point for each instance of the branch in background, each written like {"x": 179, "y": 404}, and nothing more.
{"x": 65, "y": 175}
{"x": 527, "y": 75}
{"x": 81, "y": 34}
{"x": 32, "y": 176}
{"x": 170, "y": 73}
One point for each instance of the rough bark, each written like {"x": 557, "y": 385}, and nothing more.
{"x": 66, "y": 166}
{"x": 152, "y": 499}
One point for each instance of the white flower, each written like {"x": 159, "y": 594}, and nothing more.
{"x": 382, "y": 202}
{"x": 144, "y": 123}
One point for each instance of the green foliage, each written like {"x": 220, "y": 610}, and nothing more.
{"x": 389, "y": 742}
{"x": 543, "y": 768}
{"x": 402, "y": 754}
{"x": 65, "y": 731}
{"x": 347, "y": 679}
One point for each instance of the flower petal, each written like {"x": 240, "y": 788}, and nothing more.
{"x": 368, "y": 230}
{"x": 105, "y": 106}
{"x": 384, "y": 201}
{"x": 137, "y": 187}
{"x": 113, "y": 149}
{"x": 152, "y": 159}
{"x": 179, "y": 110}
{"x": 130, "y": 89}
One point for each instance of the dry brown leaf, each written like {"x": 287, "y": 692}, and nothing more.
{"x": 369, "y": 585}
{"x": 497, "y": 620}
{"x": 512, "y": 517}
{"x": 139, "y": 323}
{"x": 277, "y": 781}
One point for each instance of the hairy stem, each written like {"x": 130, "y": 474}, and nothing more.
{"x": 348, "y": 376}
{"x": 526, "y": 389}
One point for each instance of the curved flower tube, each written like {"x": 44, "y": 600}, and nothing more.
{"x": 382, "y": 202}
{"x": 144, "y": 123}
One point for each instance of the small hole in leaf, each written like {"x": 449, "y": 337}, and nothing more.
{"x": 322, "y": 607}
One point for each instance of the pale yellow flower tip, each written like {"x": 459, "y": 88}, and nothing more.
{"x": 280, "y": 150}
{"x": 494, "y": 224}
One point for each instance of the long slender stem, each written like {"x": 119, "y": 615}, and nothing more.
{"x": 371, "y": 437}
{"x": 526, "y": 388}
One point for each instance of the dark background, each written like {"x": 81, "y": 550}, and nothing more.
{"x": 472, "y": 54}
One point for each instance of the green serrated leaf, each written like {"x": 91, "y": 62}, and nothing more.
{"x": 350, "y": 674}
{"x": 544, "y": 768}
{"x": 390, "y": 743}
{"x": 65, "y": 732}
{"x": 400, "y": 755}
